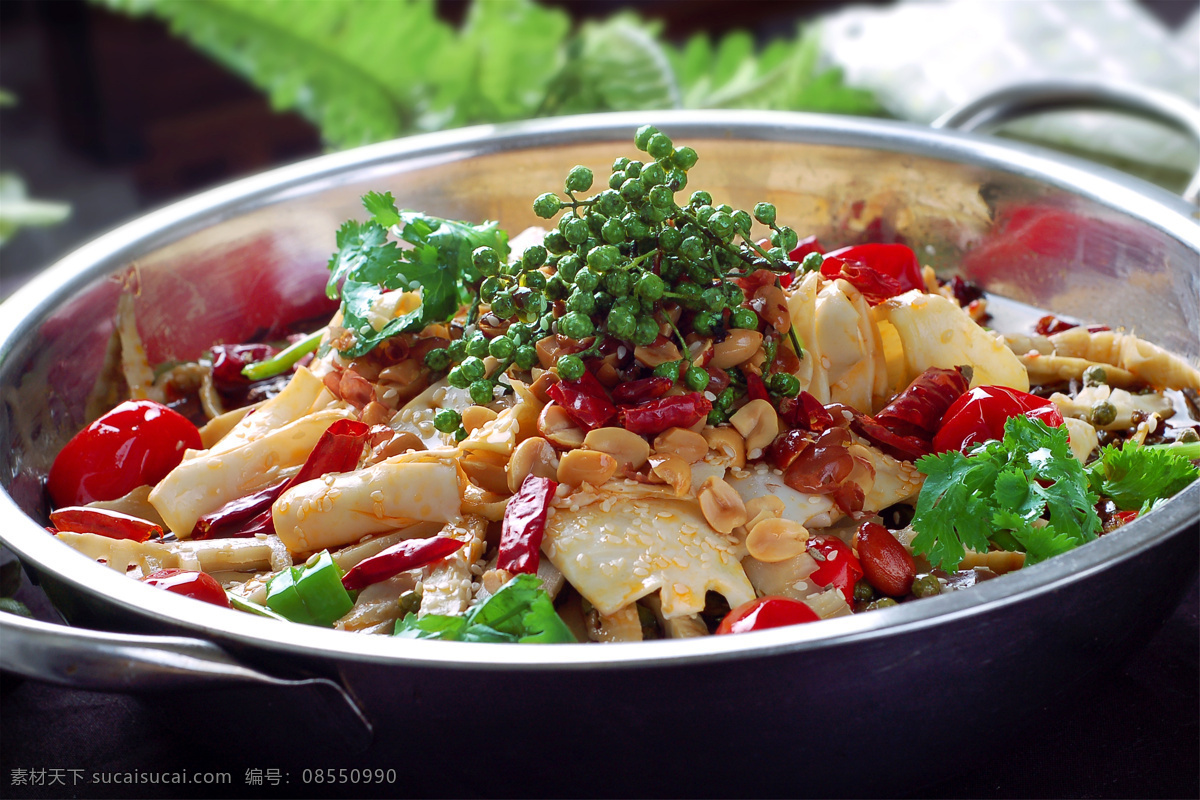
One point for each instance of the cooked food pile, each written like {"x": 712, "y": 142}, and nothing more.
{"x": 661, "y": 417}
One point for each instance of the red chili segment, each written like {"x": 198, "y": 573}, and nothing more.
{"x": 398, "y": 558}
{"x": 905, "y": 427}
{"x": 756, "y": 388}
{"x": 198, "y": 585}
{"x": 524, "y": 525}
{"x": 806, "y": 413}
{"x": 642, "y": 389}
{"x": 338, "y": 450}
{"x": 887, "y": 565}
{"x": 766, "y": 612}
{"x": 135, "y": 444}
{"x": 654, "y": 417}
{"x": 101, "y": 521}
{"x": 234, "y": 518}
{"x": 585, "y": 408}
{"x": 228, "y": 361}
{"x": 879, "y": 271}
{"x": 837, "y": 566}
{"x": 918, "y": 410}
{"x": 980, "y": 414}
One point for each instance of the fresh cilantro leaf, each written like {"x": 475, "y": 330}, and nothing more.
{"x": 1038, "y": 542}
{"x": 366, "y": 265}
{"x": 1136, "y": 477}
{"x": 431, "y": 626}
{"x": 382, "y": 207}
{"x": 997, "y": 495}
{"x": 354, "y": 241}
{"x": 520, "y": 611}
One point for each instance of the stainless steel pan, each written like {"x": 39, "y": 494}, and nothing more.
{"x": 1043, "y": 230}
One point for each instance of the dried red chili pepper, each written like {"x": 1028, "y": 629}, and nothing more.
{"x": 400, "y": 557}
{"x": 878, "y": 271}
{"x": 103, "y": 522}
{"x": 905, "y": 427}
{"x": 338, "y": 450}
{"x": 642, "y": 389}
{"x": 586, "y": 409}
{"x": 902, "y": 448}
{"x": 228, "y": 361}
{"x": 654, "y": 417}
{"x": 806, "y": 413}
{"x": 233, "y": 519}
{"x": 524, "y": 525}
{"x": 756, "y": 388}
{"x": 918, "y": 410}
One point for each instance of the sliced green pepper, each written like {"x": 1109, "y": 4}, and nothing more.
{"x": 312, "y": 594}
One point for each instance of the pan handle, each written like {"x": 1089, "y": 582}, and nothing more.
{"x": 119, "y": 662}
{"x": 1010, "y": 102}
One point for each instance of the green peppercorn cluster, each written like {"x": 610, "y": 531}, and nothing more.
{"x": 613, "y": 268}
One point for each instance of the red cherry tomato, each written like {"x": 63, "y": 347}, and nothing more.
{"x": 766, "y": 612}
{"x": 135, "y": 444}
{"x": 837, "y": 566}
{"x": 189, "y": 583}
{"x": 980, "y": 415}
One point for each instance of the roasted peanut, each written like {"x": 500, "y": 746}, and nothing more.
{"x": 400, "y": 442}
{"x": 656, "y": 354}
{"x": 673, "y": 471}
{"x": 738, "y": 346}
{"x": 629, "y": 449}
{"x": 721, "y": 505}
{"x": 534, "y": 456}
{"x": 541, "y": 383}
{"x": 758, "y": 423}
{"x": 376, "y": 413}
{"x": 998, "y": 561}
{"x": 768, "y": 504}
{"x": 727, "y": 444}
{"x": 577, "y": 466}
{"x": 474, "y": 417}
{"x": 494, "y": 579}
{"x": 486, "y": 470}
{"x": 775, "y": 539}
{"x": 687, "y": 445}
{"x": 556, "y": 425}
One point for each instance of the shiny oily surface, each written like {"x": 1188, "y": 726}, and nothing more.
{"x": 231, "y": 263}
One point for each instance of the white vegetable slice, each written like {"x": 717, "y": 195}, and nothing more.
{"x": 293, "y": 402}
{"x": 209, "y": 479}
{"x": 336, "y": 510}
{"x": 447, "y": 588}
{"x": 1147, "y": 361}
{"x": 760, "y": 480}
{"x": 935, "y": 332}
{"x": 843, "y": 348}
{"x": 621, "y": 543}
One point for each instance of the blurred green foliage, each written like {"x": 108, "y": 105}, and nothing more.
{"x": 368, "y": 70}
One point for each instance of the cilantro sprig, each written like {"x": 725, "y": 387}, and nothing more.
{"x": 1026, "y": 492}
{"x": 367, "y": 264}
{"x": 1140, "y": 477}
{"x": 520, "y": 612}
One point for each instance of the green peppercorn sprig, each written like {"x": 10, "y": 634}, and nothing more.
{"x": 616, "y": 266}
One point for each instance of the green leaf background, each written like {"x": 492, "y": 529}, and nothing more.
{"x": 368, "y": 70}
